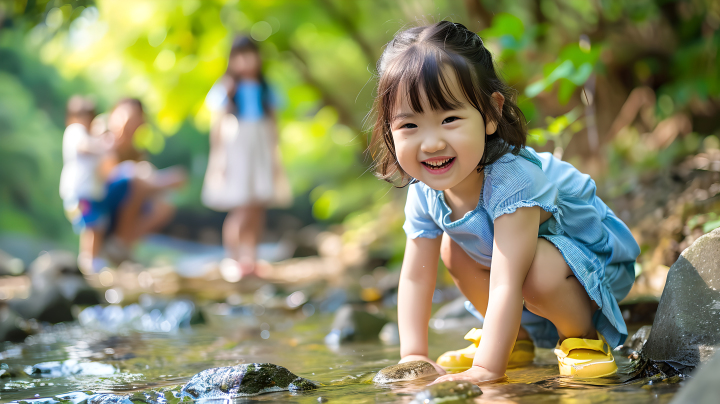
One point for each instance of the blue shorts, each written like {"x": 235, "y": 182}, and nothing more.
{"x": 100, "y": 214}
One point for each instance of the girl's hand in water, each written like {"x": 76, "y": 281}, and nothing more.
{"x": 411, "y": 358}
{"x": 475, "y": 375}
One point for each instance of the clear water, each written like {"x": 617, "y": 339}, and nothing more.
{"x": 153, "y": 360}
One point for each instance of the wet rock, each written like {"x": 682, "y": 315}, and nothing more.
{"x": 56, "y": 284}
{"x": 10, "y": 325}
{"x": 454, "y": 315}
{"x": 168, "y": 395}
{"x": 447, "y": 392}
{"x": 405, "y": 371}
{"x": 174, "y": 315}
{"x": 390, "y": 334}
{"x": 685, "y": 331}
{"x": 334, "y": 299}
{"x": 242, "y": 381}
{"x": 635, "y": 343}
{"x": 352, "y": 324}
{"x": 389, "y": 283}
{"x": 703, "y": 388}
{"x": 70, "y": 367}
{"x": 10, "y": 265}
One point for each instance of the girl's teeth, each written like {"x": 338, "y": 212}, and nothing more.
{"x": 437, "y": 163}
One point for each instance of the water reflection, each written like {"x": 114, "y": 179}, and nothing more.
{"x": 156, "y": 360}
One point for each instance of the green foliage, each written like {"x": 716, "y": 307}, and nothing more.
{"x": 319, "y": 56}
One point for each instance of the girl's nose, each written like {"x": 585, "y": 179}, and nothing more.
{"x": 432, "y": 143}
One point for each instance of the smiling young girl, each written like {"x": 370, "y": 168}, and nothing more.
{"x": 514, "y": 227}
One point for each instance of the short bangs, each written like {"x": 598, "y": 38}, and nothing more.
{"x": 422, "y": 74}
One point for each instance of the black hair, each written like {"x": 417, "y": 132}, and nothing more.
{"x": 413, "y": 62}
{"x": 241, "y": 44}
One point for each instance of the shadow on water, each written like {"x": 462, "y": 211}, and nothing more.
{"x": 140, "y": 361}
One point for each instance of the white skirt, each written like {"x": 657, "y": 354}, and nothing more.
{"x": 244, "y": 167}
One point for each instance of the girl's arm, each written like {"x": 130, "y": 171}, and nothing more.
{"x": 513, "y": 251}
{"x": 417, "y": 284}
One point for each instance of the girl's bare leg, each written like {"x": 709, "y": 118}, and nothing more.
{"x": 253, "y": 223}
{"x": 552, "y": 291}
{"x": 232, "y": 227}
{"x": 129, "y": 214}
{"x": 91, "y": 243}
{"x": 471, "y": 278}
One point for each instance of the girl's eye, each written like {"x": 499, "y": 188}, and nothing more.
{"x": 408, "y": 126}
{"x": 450, "y": 119}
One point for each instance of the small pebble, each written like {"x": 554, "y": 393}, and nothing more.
{"x": 322, "y": 400}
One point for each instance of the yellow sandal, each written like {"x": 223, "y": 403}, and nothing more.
{"x": 522, "y": 354}
{"x": 582, "y": 357}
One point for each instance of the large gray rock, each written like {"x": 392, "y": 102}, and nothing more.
{"x": 685, "y": 331}
{"x": 703, "y": 387}
{"x": 447, "y": 392}
{"x": 405, "y": 371}
{"x": 242, "y": 381}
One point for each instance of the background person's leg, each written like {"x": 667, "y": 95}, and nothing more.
{"x": 91, "y": 244}
{"x": 251, "y": 228}
{"x": 129, "y": 211}
{"x": 231, "y": 231}
{"x": 156, "y": 214}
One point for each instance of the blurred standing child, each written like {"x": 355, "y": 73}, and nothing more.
{"x": 86, "y": 164}
{"x": 244, "y": 174}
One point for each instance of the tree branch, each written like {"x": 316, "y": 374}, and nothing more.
{"x": 344, "y": 114}
{"x": 350, "y": 27}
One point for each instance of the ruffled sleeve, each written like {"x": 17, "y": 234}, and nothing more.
{"x": 516, "y": 182}
{"x": 418, "y": 221}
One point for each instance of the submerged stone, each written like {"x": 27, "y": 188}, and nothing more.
{"x": 405, "y": 371}
{"x": 634, "y": 344}
{"x": 685, "y": 331}
{"x": 447, "y": 392}
{"x": 70, "y": 367}
{"x": 352, "y": 324}
{"x": 244, "y": 380}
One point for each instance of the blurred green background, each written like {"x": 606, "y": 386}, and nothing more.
{"x": 627, "y": 91}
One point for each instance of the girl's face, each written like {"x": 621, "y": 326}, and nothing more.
{"x": 244, "y": 64}
{"x": 439, "y": 148}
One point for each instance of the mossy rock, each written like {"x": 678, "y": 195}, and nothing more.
{"x": 405, "y": 371}
{"x": 243, "y": 381}
{"x": 448, "y": 392}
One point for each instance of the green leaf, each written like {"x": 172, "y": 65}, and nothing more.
{"x": 504, "y": 24}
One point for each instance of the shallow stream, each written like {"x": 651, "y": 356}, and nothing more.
{"x": 123, "y": 362}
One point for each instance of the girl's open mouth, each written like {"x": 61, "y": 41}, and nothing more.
{"x": 439, "y": 166}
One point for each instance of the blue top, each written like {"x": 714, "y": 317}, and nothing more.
{"x": 530, "y": 179}
{"x": 248, "y": 99}
{"x": 596, "y": 245}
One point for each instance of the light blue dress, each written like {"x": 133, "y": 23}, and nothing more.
{"x": 248, "y": 99}
{"x": 596, "y": 245}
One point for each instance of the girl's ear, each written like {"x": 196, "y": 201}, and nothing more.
{"x": 498, "y": 100}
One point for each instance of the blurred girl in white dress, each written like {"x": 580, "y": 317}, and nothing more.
{"x": 244, "y": 174}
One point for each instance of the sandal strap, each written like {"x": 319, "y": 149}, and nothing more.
{"x": 581, "y": 343}
{"x": 474, "y": 335}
